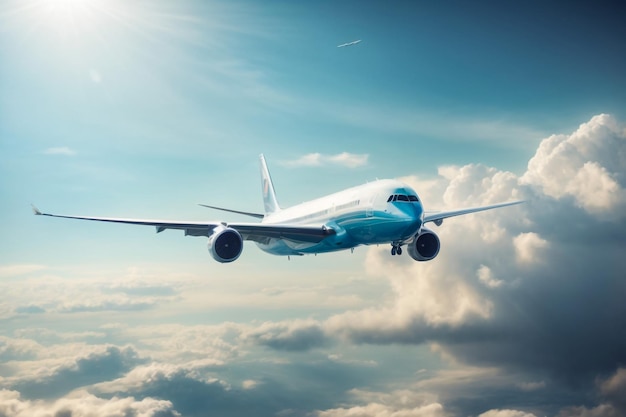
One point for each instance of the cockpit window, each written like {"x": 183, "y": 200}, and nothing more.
{"x": 402, "y": 197}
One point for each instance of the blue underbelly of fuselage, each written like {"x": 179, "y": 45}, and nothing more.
{"x": 354, "y": 229}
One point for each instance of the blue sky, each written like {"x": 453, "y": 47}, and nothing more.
{"x": 144, "y": 109}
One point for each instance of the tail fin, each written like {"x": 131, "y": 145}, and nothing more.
{"x": 269, "y": 195}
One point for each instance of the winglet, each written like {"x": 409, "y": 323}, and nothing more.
{"x": 269, "y": 195}
{"x": 36, "y": 210}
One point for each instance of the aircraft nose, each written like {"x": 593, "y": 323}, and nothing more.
{"x": 418, "y": 210}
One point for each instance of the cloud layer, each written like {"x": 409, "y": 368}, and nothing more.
{"x": 520, "y": 315}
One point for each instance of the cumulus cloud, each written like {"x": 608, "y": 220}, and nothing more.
{"x": 291, "y": 336}
{"x": 143, "y": 375}
{"x": 83, "y": 404}
{"x": 18, "y": 349}
{"x": 401, "y": 403}
{"x": 193, "y": 393}
{"x": 57, "y": 381}
{"x": 177, "y": 343}
{"x": 613, "y": 392}
{"x": 546, "y": 299}
{"x": 528, "y": 247}
{"x": 346, "y": 159}
{"x": 587, "y": 165}
{"x": 380, "y": 410}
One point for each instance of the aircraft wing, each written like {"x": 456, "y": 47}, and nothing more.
{"x": 259, "y": 232}
{"x": 438, "y": 217}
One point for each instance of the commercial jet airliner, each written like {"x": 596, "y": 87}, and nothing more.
{"x": 379, "y": 212}
{"x": 343, "y": 45}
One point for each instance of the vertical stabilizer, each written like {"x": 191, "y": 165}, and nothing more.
{"x": 269, "y": 195}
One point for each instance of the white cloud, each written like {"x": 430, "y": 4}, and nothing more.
{"x": 506, "y": 413}
{"x": 398, "y": 403}
{"x": 428, "y": 297}
{"x": 349, "y": 160}
{"x": 58, "y": 370}
{"x": 143, "y": 375}
{"x": 485, "y": 276}
{"x": 346, "y": 159}
{"x": 14, "y": 349}
{"x": 587, "y": 165}
{"x": 380, "y": 410}
{"x": 529, "y": 247}
{"x": 188, "y": 344}
{"x": 249, "y": 384}
{"x": 62, "y": 150}
{"x": 83, "y": 404}
{"x": 435, "y": 294}
{"x": 616, "y": 384}
{"x": 543, "y": 247}
{"x": 613, "y": 390}
{"x": 288, "y": 335}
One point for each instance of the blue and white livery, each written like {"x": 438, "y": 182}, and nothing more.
{"x": 383, "y": 211}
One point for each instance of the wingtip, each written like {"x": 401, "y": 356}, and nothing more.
{"x": 36, "y": 211}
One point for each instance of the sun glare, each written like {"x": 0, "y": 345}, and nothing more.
{"x": 69, "y": 16}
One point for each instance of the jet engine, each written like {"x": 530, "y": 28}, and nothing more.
{"x": 225, "y": 244}
{"x": 425, "y": 245}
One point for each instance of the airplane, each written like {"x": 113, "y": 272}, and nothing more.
{"x": 379, "y": 212}
{"x": 349, "y": 43}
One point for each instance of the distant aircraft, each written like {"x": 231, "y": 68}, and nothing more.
{"x": 349, "y": 43}
{"x": 383, "y": 211}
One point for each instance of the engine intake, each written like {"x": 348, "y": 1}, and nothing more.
{"x": 425, "y": 245}
{"x": 225, "y": 244}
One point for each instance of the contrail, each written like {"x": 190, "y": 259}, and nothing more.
{"x": 349, "y": 43}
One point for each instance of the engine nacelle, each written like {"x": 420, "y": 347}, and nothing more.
{"x": 225, "y": 244}
{"x": 425, "y": 245}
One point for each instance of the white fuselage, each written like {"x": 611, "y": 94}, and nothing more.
{"x": 363, "y": 215}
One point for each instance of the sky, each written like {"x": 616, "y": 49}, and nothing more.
{"x": 146, "y": 108}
